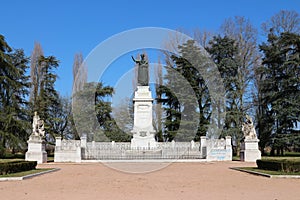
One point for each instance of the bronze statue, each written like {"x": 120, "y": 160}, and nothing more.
{"x": 143, "y": 74}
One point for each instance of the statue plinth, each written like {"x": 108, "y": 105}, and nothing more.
{"x": 249, "y": 145}
{"x": 143, "y": 131}
{"x": 36, "y": 143}
{"x": 36, "y": 149}
{"x": 249, "y": 150}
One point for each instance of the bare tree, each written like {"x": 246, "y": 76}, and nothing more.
{"x": 79, "y": 73}
{"x": 202, "y": 37}
{"x": 123, "y": 115}
{"x": 283, "y": 21}
{"x": 245, "y": 35}
{"x": 36, "y": 73}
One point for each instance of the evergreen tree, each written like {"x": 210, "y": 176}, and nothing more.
{"x": 185, "y": 97}
{"x": 92, "y": 114}
{"x": 48, "y": 98}
{"x": 224, "y": 53}
{"x": 280, "y": 87}
{"x": 13, "y": 90}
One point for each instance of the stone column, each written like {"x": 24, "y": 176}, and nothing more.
{"x": 83, "y": 141}
{"x": 57, "y": 141}
{"x": 228, "y": 148}
{"x": 203, "y": 147}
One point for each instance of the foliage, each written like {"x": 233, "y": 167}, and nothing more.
{"x": 92, "y": 114}
{"x": 269, "y": 173}
{"x": 16, "y": 166}
{"x": 283, "y": 165}
{"x": 280, "y": 88}
{"x": 13, "y": 91}
{"x": 185, "y": 96}
{"x": 48, "y": 98}
{"x": 224, "y": 51}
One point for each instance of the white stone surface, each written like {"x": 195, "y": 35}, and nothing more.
{"x": 67, "y": 150}
{"x": 143, "y": 131}
{"x": 36, "y": 149}
{"x": 147, "y": 142}
{"x": 249, "y": 150}
{"x": 216, "y": 149}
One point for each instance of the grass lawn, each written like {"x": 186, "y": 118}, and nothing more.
{"x": 25, "y": 173}
{"x": 269, "y": 172}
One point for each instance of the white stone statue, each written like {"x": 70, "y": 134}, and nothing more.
{"x": 37, "y": 126}
{"x": 248, "y": 129}
{"x": 41, "y": 128}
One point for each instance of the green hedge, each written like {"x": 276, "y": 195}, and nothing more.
{"x": 16, "y": 166}
{"x": 279, "y": 165}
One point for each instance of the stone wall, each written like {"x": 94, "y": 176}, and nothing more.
{"x": 216, "y": 149}
{"x": 67, "y": 150}
{"x": 78, "y": 150}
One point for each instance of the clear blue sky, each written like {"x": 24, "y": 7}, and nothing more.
{"x": 66, "y": 27}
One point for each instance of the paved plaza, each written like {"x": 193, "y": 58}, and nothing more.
{"x": 204, "y": 180}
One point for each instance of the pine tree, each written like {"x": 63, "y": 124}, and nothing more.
{"x": 48, "y": 98}
{"x": 280, "y": 87}
{"x": 185, "y": 97}
{"x": 13, "y": 90}
{"x": 224, "y": 53}
{"x": 92, "y": 114}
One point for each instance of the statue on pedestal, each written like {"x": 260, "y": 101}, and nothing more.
{"x": 248, "y": 128}
{"x": 143, "y": 74}
{"x": 37, "y": 126}
{"x": 36, "y": 143}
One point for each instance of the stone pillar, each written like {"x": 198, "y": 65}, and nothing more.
{"x": 173, "y": 144}
{"x": 228, "y": 141}
{"x": 192, "y": 144}
{"x": 83, "y": 142}
{"x": 57, "y": 141}
{"x": 36, "y": 149}
{"x": 203, "y": 147}
{"x": 249, "y": 150}
{"x": 228, "y": 148}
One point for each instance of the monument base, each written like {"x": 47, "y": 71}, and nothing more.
{"x": 36, "y": 149}
{"x": 143, "y": 131}
{"x": 145, "y": 143}
{"x": 249, "y": 150}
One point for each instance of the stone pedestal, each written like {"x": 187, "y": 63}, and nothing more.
{"x": 143, "y": 132}
{"x": 249, "y": 150}
{"x": 36, "y": 149}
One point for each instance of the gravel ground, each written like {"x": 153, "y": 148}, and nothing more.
{"x": 204, "y": 180}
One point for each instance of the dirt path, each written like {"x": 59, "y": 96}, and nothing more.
{"x": 177, "y": 181}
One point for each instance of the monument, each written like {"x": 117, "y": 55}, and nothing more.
{"x": 143, "y": 131}
{"x": 36, "y": 143}
{"x": 249, "y": 145}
